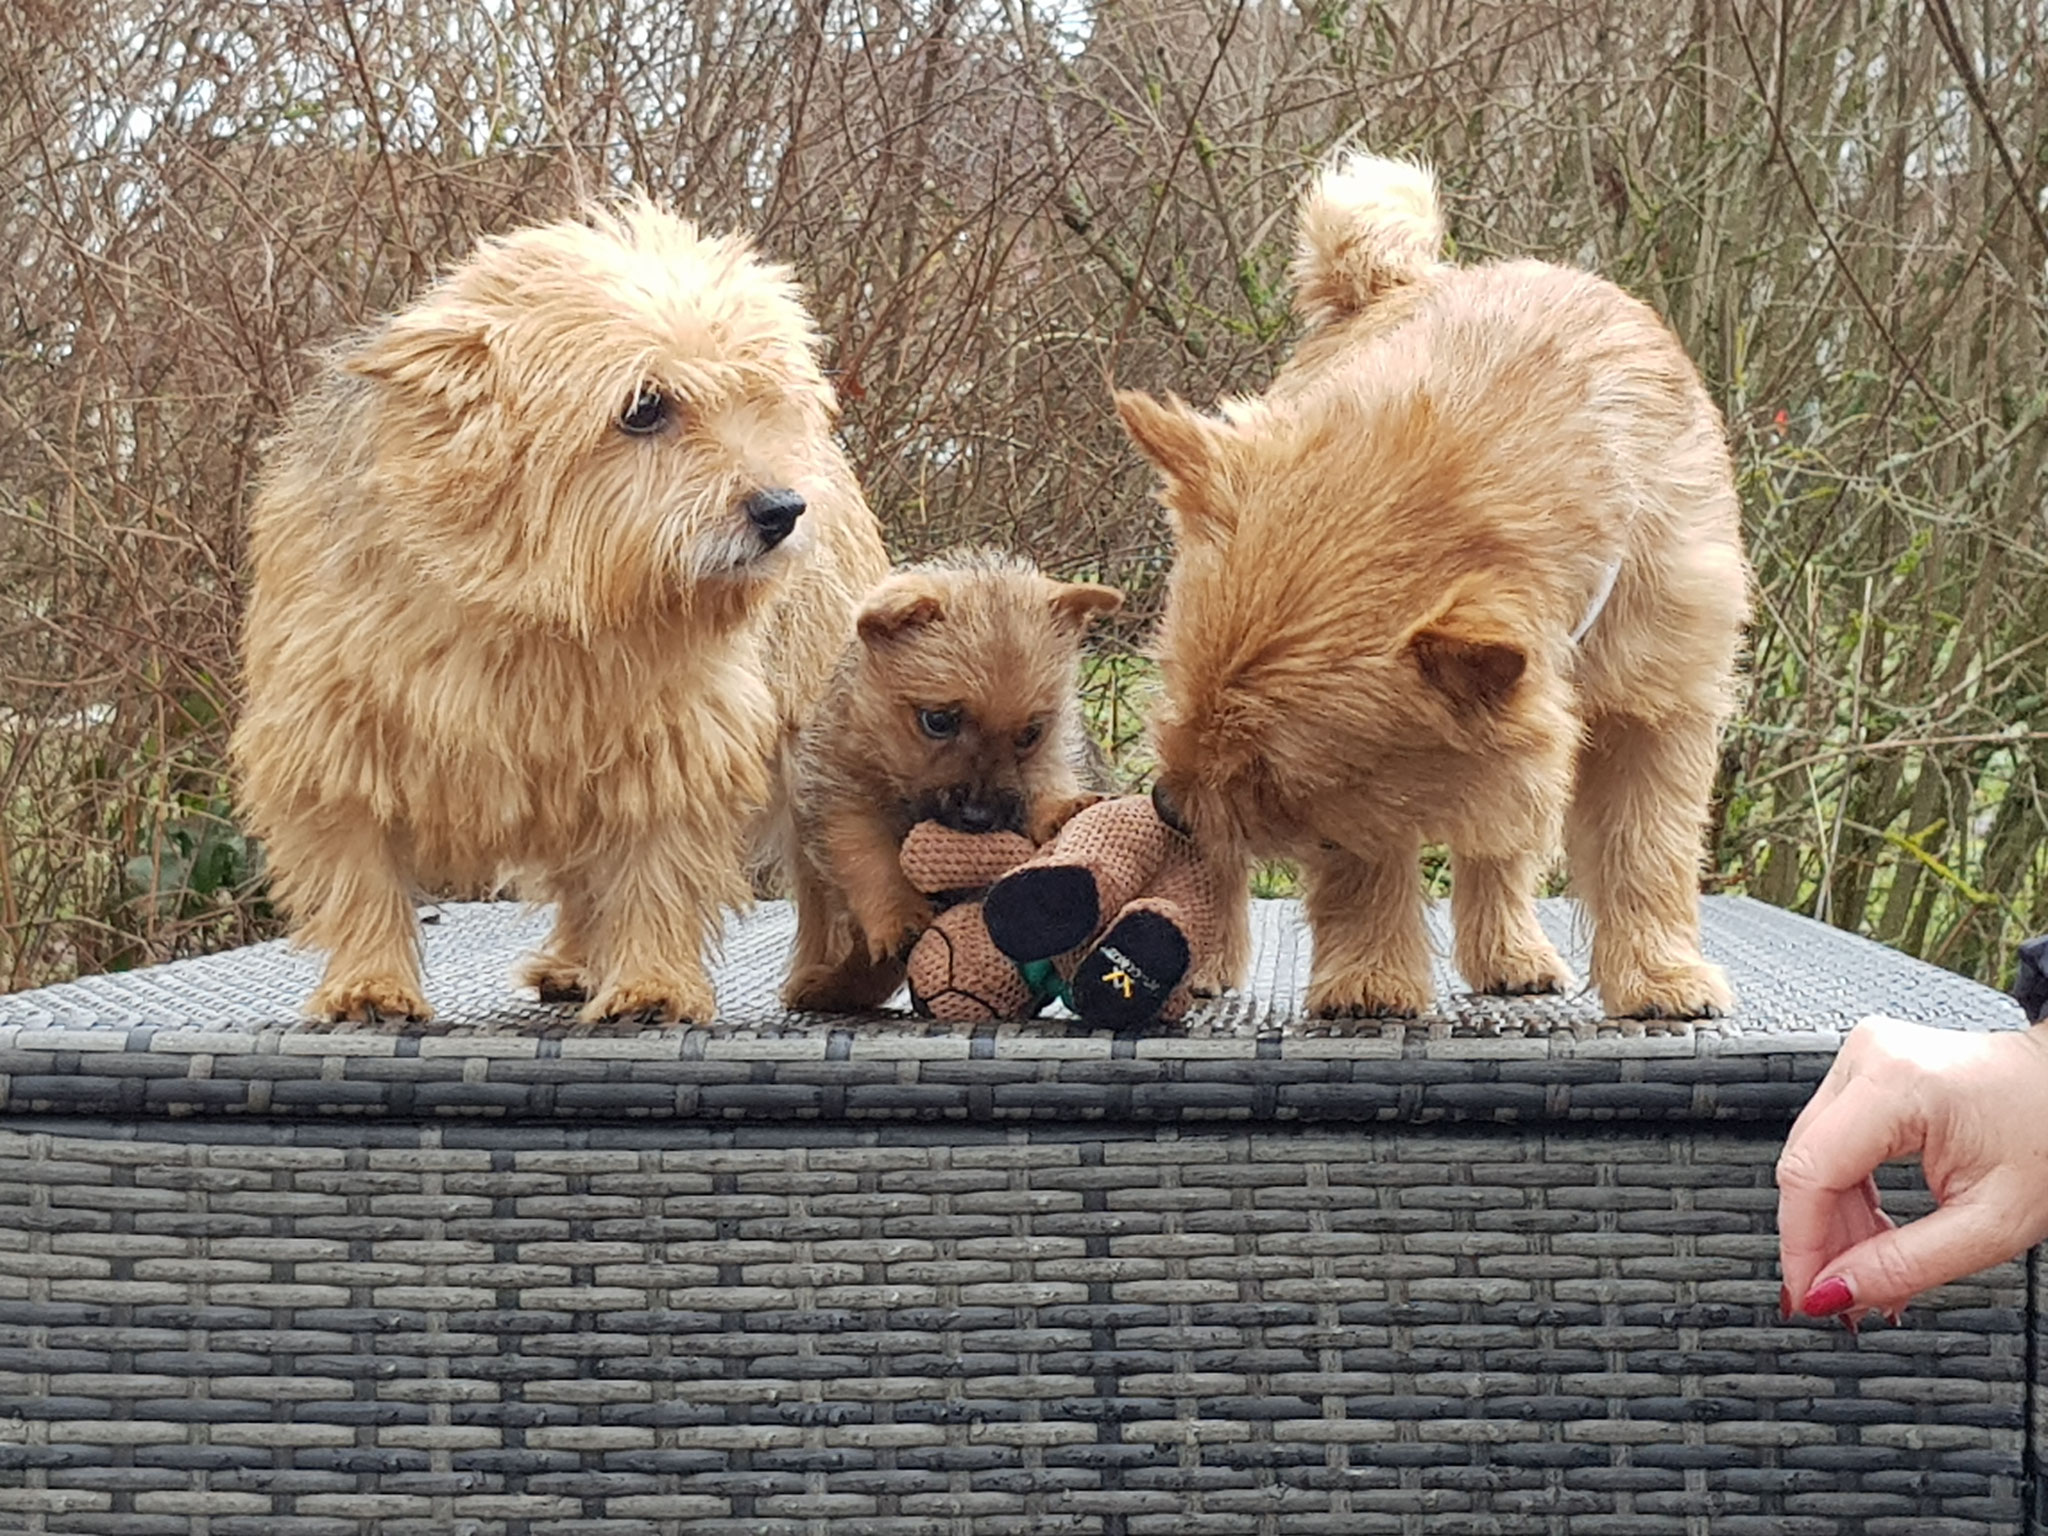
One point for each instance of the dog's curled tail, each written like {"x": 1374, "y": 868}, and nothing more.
{"x": 1367, "y": 225}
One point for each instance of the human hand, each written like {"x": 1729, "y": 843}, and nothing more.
{"x": 1974, "y": 1106}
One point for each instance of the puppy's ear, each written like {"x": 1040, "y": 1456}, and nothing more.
{"x": 1186, "y": 448}
{"x": 1076, "y": 603}
{"x": 1471, "y": 652}
{"x": 898, "y": 605}
{"x": 438, "y": 349}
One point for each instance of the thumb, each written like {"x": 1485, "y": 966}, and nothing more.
{"x": 1884, "y": 1272}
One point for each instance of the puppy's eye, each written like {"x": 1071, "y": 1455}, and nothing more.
{"x": 1030, "y": 736}
{"x": 939, "y": 724}
{"x": 648, "y": 413}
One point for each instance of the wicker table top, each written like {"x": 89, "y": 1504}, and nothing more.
{"x": 218, "y": 1036}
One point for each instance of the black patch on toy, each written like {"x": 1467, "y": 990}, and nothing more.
{"x": 1126, "y": 979}
{"x": 1034, "y": 914}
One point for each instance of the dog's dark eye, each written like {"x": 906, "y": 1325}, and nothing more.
{"x": 647, "y": 414}
{"x": 939, "y": 724}
{"x": 1030, "y": 736}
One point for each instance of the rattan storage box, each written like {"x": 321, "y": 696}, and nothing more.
{"x": 1507, "y": 1270}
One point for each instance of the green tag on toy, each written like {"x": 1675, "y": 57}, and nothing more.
{"x": 1044, "y": 981}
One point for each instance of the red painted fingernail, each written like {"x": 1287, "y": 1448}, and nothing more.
{"x": 1896, "y": 1317}
{"x": 1784, "y": 1303}
{"x": 1832, "y": 1295}
{"x": 1848, "y": 1321}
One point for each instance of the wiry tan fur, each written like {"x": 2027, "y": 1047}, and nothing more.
{"x": 1367, "y": 641}
{"x": 1366, "y": 229}
{"x": 996, "y": 643}
{"x": 493, "y": 636}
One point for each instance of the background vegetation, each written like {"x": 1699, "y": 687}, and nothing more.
{"x": 1000, "y": 207}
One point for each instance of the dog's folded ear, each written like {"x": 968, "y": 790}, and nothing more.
{"x": 1471, "y": 650}
{"x": 898, "y": 604}
{"x": 438, "y": 349}
{"x": 1187, "y": 448}
{"x": 1077, "y": 602}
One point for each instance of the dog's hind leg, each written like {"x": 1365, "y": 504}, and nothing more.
{"x": 1632, "y": 835}
{"x": 560, "y": 969}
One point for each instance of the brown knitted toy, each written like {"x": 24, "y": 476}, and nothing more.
{"x": 955, "y": 973}
{"x": 1120, "y": 908}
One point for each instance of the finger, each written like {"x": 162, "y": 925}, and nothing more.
{"x": 1888, "y": 1270}
{"x": 1830, "y": 1157}
{"x": 1838, "y": 1075}
{"x": 1871, "y": 1047}
{"x": 1864, "y": 1125}
{"x": 1816, "y": 1228}
{"x": 1850, "y": 1217}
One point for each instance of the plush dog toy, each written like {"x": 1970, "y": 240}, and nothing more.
{"x": 1112, "y": 917}
{"x": 955, "y": 972}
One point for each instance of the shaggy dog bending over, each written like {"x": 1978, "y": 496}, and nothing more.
{"x": 1470, "y": 572}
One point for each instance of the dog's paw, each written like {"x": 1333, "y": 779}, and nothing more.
{"x": 813, "y": 989}
{"x": 555, "y": 979}
{"x": 846, "y": 988}
{"x": 375, "y": 1002}
{"x": 1529, "y": 972}
{"x": 1368, "y": 994}
{"x": 1215, "y": 976}
{"x": 1687, "y": 990}
{"x": 892, "y": 934}
{"x": 652, "y": 1000}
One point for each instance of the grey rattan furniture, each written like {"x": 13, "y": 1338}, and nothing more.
{"x": 1507, "y": 1270}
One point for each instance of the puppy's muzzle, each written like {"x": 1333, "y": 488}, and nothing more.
{"x": 965, "y": 809}
{"x": 773, "y": 514}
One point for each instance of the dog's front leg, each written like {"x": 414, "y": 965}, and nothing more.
{"x": 1633, "y": 839}
{"x": 831, "y": 969}
{"x": 344, "y": 879}
{"x": 1500, "y": 947}
{"x": 656, "y": 907}
{"x": 1226, "y": 968}
{"x": 1371, "y": 947}
{"x": 887, "y": 909}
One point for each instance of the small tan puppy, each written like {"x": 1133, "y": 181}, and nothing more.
{"x": 545, "y": 574}
{"x": 1469, "y": 572}
{"x": 955, "y": 703}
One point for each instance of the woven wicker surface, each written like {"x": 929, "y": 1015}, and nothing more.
{"x": 214, "y": 1035}
{"x": 799, "y": 1277}
{"x": 2035, "y": 1490}
{"x": 280, "y": 1328}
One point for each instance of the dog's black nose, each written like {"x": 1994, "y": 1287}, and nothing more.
{"x": 965, "y": 808}
{"x": 773, "y": 514}
{"x": 974, "y": 816}
{"x": 1167, "y": 808}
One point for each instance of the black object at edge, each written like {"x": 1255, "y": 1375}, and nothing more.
{"x": 2030, "y": 987}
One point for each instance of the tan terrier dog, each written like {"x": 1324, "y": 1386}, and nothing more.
{"x": 547, "y": 573}
{"x": 956, "y": 703}
{"x": 1469, "y": 572}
